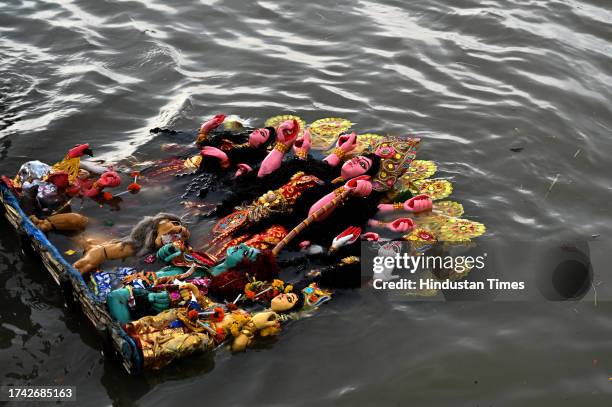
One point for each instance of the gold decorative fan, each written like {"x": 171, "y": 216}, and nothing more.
{"x": 365, "y": 142}
{"x": 420, "y": 239}
{"x": 420, "y": 235}
{"x": 448, "y": 208}
{"x": 324, "y": 132}
{"x": 461, "y": 230}
{"x": 420, "y": 169}
{"x": 431, "y": 222}
{"x": 276, "y": 120}
{"x": 435, "y": 188}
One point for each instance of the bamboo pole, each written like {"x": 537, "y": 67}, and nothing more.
{"x": 310, "y": 219}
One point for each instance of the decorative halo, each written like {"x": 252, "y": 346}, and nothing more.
{"x": 435, "y": 188}
{"x": 325, "y": 131}
{"x": 420, "y": 235}
{"x": 276, "y": 120}
{"x": 420, "y": 239}
{"x": 432, "y": 222}
{"x": 420, "y": 169}
{"x": 366, "y": 142}
{"x": 461, "y": 230}
{"x": 449, "y": 208}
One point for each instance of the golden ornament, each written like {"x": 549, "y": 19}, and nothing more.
{"x": 435, "y": 188}
{"x": 276, "y": 120}
{"x": 324, "y": 132}
{"x": 448, "y": 208}
{"x": 461, "y": 230}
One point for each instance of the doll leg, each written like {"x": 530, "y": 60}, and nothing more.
{"x": 62, "y": 222}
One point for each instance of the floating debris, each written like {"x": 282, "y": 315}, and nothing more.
{"x": 552, "y": 184}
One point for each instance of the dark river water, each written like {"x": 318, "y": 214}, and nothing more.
{"x": 512, "y": 99}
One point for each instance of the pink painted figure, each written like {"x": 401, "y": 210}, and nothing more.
{"x": 60, "y": 179}
{"x": 400, "y": 225}
{"x": 345, "y": 144}
{"x": 207, "y": 127}
{"x": 358, "y": 187}
{"x": 417, "y": 204}
{"x": 258, "y": 137}
{"x": 355, "y": 167}
{"x": 243, "y": 169}
{"x": 302, "y": 145}
{"x": 304, "y": 244}
{"x": 370, "y": 237}
{"x": 286, "y": 133}
{"x": 209, "y": 151}
{"x": 212, "y": 124}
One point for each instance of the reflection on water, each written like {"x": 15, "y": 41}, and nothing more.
{"x": 510, "y": 98}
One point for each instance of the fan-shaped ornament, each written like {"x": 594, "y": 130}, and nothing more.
{"x": 448, "y": 208}
{"x": 432, "y": 222}
{"x": 420, "y": 235}
{"x": 435, "y": 188}
{"x": 420, "y": 239}
{"x": 420, "y": 169}
{"x": 276, "y": 120}
{"x": 324, "y": 132}
{"x": 461, "y": 230}
{"x": 366, "y": 143}
{"x": 396, "y": 155}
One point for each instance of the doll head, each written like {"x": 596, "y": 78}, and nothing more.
{"x": 239, "y": 254}
{"x": 307, "y": 299}
{"x": 261, "y": 136}
{"x": 360, "y": 165}
{"x": 152, "y": 232}
{"x": 170, "y": 230}
{"x": 284, "y": 303}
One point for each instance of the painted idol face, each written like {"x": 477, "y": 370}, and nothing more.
{"x": 355, "y": 167}
{"x": 283, "y": 302}
{"x": 258, "y": 137}
{"x": 237, "y": 254}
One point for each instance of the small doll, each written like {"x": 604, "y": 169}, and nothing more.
{"x": 150, "y": 234}
{"x": 180, "y": 332}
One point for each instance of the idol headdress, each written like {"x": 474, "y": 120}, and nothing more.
{"x": 396, "y": 155}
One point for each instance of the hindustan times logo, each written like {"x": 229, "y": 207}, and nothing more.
{"x": 411, "y": 264}
{"x": 553, "y": 270}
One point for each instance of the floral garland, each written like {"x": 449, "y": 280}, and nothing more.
{"x": 255, "y": 289}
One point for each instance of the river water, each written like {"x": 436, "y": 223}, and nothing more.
{"x": 511, "y": 98}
